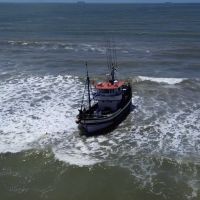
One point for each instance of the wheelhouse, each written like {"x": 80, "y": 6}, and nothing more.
{"x": 109, "y": 95}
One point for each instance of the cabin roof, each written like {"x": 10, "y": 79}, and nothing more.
{"x": 109, "y": 86}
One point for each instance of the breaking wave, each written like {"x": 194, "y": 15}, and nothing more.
{"x": 164, "y": 129}
{"x": 34, "y": 106}
{"x": 161, "y": 80}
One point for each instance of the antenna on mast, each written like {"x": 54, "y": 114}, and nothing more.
{"x": 111, "y": 58}
{"x": 115, "y": 54}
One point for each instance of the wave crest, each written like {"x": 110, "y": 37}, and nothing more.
{"x": 162, "y": 80}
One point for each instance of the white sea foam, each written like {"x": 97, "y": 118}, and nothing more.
{"x": 69, "y": 48}
{"x": 93, "y": 47}
{"x": 78, "y": 151}
{"x": 37, "y": 112}
{"x": 31, "y": 107}
{"x": 162, "y": 80}
{"x": 40, "y": 111}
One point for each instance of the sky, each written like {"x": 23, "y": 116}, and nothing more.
{"x": 108, "y": 1}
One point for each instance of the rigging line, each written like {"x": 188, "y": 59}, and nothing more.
{"x": 111, "y": 51}
{"x": 83, "y": 95}
{"x": 107, "y": 56}
{"x": 91, "y": 90}
{"x": 88, "y": 86}
{"x": 106, "y": 52}
{"x": 110, "y": 55}
{"x": 112, "y": 48}
{"x": 115, "y": 54}
{"x": 108, "y": 46}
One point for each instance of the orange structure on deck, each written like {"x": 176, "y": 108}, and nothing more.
{"x": 109, "y": 85}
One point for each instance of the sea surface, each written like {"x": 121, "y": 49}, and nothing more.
{"x": 153, "y": 155}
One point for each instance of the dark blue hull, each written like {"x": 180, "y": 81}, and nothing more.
{"x": 91, "y": 126}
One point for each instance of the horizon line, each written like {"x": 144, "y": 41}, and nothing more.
{"x": 83, "y": 2}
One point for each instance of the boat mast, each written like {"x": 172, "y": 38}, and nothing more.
{"x": 113, "y": 74}
{"x": 111, "y": 59}
{"x": 88, "y": 86}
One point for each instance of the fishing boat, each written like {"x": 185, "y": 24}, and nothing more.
{"x": 112, "y": 102}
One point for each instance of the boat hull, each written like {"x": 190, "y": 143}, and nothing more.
{"x": 103, "y": 125}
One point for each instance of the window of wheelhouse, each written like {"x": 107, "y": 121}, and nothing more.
{"x": 106, "y": 91}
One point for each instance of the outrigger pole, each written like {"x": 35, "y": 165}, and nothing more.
{"x": 111, "y": 59}
{"x": 88, "y": 86}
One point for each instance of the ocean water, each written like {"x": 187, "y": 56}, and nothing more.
{"x": 154, "y": 154}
